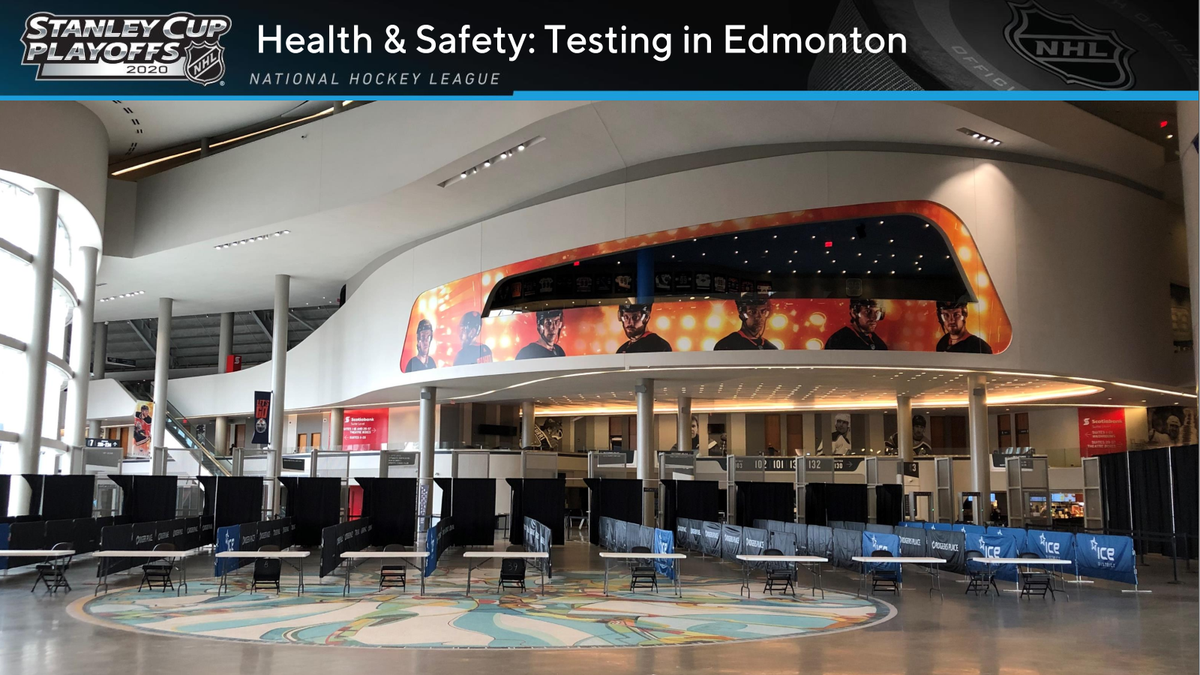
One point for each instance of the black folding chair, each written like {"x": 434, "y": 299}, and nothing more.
{"x": 1036, "y": 579}
{"x": 53, "y": 571}
{"x": 391, "y": 576}
{"x": 158, "y": 571}
{"x": 641, "y": 573}
{"x": 779, "y": 575}
{"x": 981, "y": 576}
{"x": 267, "y": 570}
{"x": 888, "y": 580}
{"x": 512, "y": 573}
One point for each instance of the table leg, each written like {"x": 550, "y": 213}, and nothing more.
{"x": 300, "y": 586}
{"x": 862, "y": 576}
{"x": 542, "y": 569}
{"x": 606, "y": 577}
{"x": 346, "y": 586}
{"x": 679, "y": 577}
{"x": 468, "y": 578}
{"x": 745, "y": 580}
{"x": 222, "y": 585}
{"x": 182, "y": 577}
{"x": 421, "y": 576}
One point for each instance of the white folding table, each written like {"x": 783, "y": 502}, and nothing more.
{"x": 484, "y": 556}
{"x": 609, "y": 556}
{"x": 934, "y": 565}
{"x": 105, "y": 556}
{"x": 1030, "y": 562}
{"x": 406, "y": 557}
{"x": 812, "y": 562}
{"x": 38, "y": 553}
{"x": 284, "y": 556}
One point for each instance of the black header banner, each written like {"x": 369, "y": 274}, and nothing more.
{"x": 202, "y": 48}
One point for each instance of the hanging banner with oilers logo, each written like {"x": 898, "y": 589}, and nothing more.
{"x": 1106, "y": 557}
{"x": 878, "y": 541}
{"x": 1059, "y": 545}
{"x": 229, "y": 538}
{"x": 262, "y": 418}
{"x": 664, "y": 542}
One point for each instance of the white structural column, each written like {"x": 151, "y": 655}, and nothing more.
{"x": 683, "y": 425}
{"x": 337, "y": 418}
{"x": 224, "y": 348}
{"x": 528, "y": 439}
{"x": 427, "y": 427}
{"x": 81, "y": 354}
{"x": 99, "y": 359}
{"x": 904, "y": 439}
{"x": 644, "y": 393}
{"x": 279, "y": 345}
{"x": 30, "y": 446}
{"x": 981, "y": 456}
{"x": 1186, "y": 114}
{"x": 162, "y": 370}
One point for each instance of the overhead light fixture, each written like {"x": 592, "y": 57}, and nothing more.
{"x": 982, "y": 138}
{"x": 121, "y": 296}
{"x": 251, "y": 240}
{"x": 487, "y": 163}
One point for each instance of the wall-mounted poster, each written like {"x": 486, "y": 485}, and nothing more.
{"x": 1171, "y": 425}
{"x": 446, "y": 326}
{"x": 143, "y": 417}
{"x": 365, "y": 429}
{"x": 1101, "y": 431}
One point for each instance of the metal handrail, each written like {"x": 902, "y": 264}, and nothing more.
{"x": 201, "y": 450}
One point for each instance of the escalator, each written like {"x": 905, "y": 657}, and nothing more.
{"x": 182, "y": 429}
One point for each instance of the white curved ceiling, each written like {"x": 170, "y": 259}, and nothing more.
{"x": 370, "y": 185}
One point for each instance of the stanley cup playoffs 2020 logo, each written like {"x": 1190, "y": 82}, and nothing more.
{"x": 179, "y": 46}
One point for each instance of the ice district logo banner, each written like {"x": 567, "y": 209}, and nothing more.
{"x": 179, "y": 46}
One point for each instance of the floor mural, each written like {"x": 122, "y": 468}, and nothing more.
{"x": 572, "y": 613}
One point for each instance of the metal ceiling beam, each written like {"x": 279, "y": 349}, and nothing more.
{"x": 145, "y": 340}
{"x": 258, "y": 320}
{"x": 302, "y": 321}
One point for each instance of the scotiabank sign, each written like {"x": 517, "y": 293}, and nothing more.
{"x": 364, "y": 429}
{"x": 1101, "y": 431}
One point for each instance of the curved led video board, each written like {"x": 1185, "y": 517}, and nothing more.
{"x": 901, "y": 276}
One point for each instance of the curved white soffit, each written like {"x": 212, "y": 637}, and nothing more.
{"x": 79, "y": 220}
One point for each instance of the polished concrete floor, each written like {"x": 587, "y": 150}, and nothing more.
{"x": 1099, "y": 630}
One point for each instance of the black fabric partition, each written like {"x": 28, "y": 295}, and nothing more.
{"x": 63, "y": 497}
{"x": 912, "y": 542}
{"x": 845, "y": 501}
{"x": 446, "y": 485}
{"x": 616, "y": 498}
{"x": 711, "y": 544}
{"x": 889, "y": 504}
{"x": 1148, "y": 473}
{"x": 731, "y": 542}
{"x": 147, "y": 498}
{"x": 391, "y": 504}
{"x": 35, "y": 493}
{"x": 690, "y": 499}
{"x": 28, "y": 535}
{"x": 473, "y": 507}
{"x": 4, "y": 483}
{"x": 820, "y": 541}
{"x": 846, "y": 545}
{"x": 952, "y": 546}
{"x": 237, "y": 499}
{"x": 59, "y": 531}
{"x": 209, "y": 485}
{"x": 766, "y": 501}
{"x": 312, "y": 503}
{"x": 336, "y": 539}
{"x": 881, "y": 529}
{"x": 541, "y": 499}
{"x": 816, "y": 498}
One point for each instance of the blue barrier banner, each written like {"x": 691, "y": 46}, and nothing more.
{"x": 785, "y": 542}
{"x": 229, "y": 538}
{"x": 909, "y": 523}
{"x": 731, "y": 542}
{"x": 3, "y": 544}
{"x": 1106, "y": 557}
{"x": 681, "y": 532}
{"x": 940, "y": 527}
{"x": 995, "y": 546}
{"x": 969, "y": 529}
{"x": 879, "y": 541}
{"x": 431, "y": 546}
{"x": 664, "y": 542}
{"x": 695, "y": 540}
{"x": 1017, "y": 534}
{"x": 712, "y": 539}
{"x": 1046, "y": 544}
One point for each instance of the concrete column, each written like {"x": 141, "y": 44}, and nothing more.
{"x": 1186, "y": 115}
{"x": 93, "y": 428}
{"x": 427, "y": 428}
{"x": 644, "y": 393}
{"x": 224, "y": 347}
{"x": 981, "y": 456}
{"x": 683, "y": 424}
{"x": 337, "y": 418}
{"x": 162, "y": 368}
{"x": 279, "y": 345}
{"x": 904, "y": 440}
{"x": 527, "y": 435}
{"x": 100, "y": 350}
{"x": 81, "y": 347}
{"x": 809, "y": 432}
{"x": 29, "y": 447}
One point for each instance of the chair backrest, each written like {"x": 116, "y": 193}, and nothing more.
{"x": 772, "y": 551}
{"x": 395, "y": 548}
{"x": 268, "y": 547}
{"x": 974, "y": 554}
{"x": 164, "y": 547}
{"x": 640, "y": 549}
{"x": 1029, "y": 554}
{"x": 882, "y": 553}
{"x": 510, "y": 566}
{"x": 62, "y": 546}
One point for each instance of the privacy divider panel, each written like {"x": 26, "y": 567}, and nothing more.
{"x": 616, "y": 498}
{"x": 61, "y": 497}
{"x": 847, "y": 502}
{"x": 313, "y": 504}
{"x": 543, "y": 500}
{"x": 889, "y": 501}
{"x": 473, "y": 507}
{"x": 391, "y": 504}
{"x": 691, "y": 499}
{"x": 236, "y": 499}
{"x": 768, "y": 501}
{"x": 1151, "y": 498}
{"x": 147, "y": 498}
{"x": 816, "y": 504}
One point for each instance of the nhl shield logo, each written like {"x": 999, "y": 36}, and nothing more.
{"x": 205, "y": 62}
{"x": 1069, "y": 48}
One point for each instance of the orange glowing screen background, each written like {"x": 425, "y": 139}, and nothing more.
{"x": 908, "y": 325}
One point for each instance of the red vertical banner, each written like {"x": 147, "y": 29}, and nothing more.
{"x": 364, "y": 429}
{"x": 233, "y": 363}
{"x": 1101, "y": 431}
